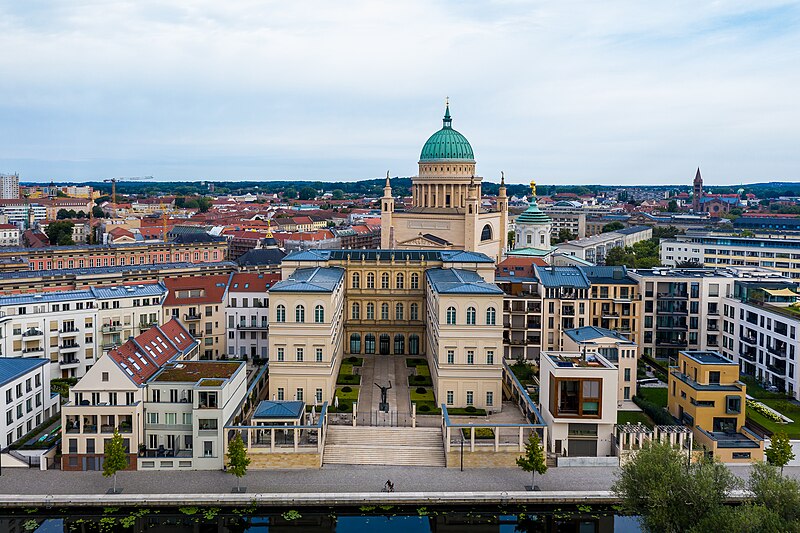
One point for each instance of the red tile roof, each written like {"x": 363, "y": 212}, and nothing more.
{"x": 213, "y": 288}
{"x": 143, "y": 356}
{"x": 253, "y": 282}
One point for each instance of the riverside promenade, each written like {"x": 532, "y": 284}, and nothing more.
{"x": 332, "y": 485}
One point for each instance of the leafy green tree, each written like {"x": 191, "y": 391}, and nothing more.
{"x": 80, "y": 214}
{"x": 780, "y": 451}
{"x": 337, "y": 194}
{"x": 238, "y": 461}
{"x": 115, "y": 458}
{"x": 564, "y": 235}
{"x": 533, "y": 460}
{"x": 62, "y": 214}
{"x": 774, "y": 491}
{"x": 60, "y": 233}
{"x": 204, "y": 204}
{"x": 97, "y": 212}
{"x": 512, "y": 238}
{"x": 670, "y": 493}
{"x": 308, "y": 193}
{"x": 290, "y": 193}
{"x": 672, "y": 206}
{"x": 192, "y": 204}
{"x": 613, "y": 226}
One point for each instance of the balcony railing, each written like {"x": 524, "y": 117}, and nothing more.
{"x": 113, "y": 328}
{"x": 190, "y": 317}
{"x": 36, "y": 349}
{"x": 32, "y": 333}
{"x": 69, "y": 348}
{"x": 69, "y": 363}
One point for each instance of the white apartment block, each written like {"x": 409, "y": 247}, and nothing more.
{"x": 9, "y": 235}
{"x": 27, "y": 400}
{"x": 73, "y": 329}
{"x": 247, "y": 315}
{"x": 24, "y": 216}
{"x": 9, "y": 186}
{"x": 682, "y": 308}
{"x": 761, "y": 333}
{"x": 777, "y": 252}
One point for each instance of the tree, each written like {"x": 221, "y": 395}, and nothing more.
{"x": 204, "y": 204}
{"x": 237, "y": 459}
{"x": 115, "y": 458}
{"x": 565, "y": 235}
{"x": 672, "y": 206}
{"x": 308, "y": 193}
{"x": 60, "y": 233}
{"x": 97, "y": 212}
{"x": 62, "y": 214}
{"x": 512, "y": 239}
{"x": 669, "y": 492}
{"x": 613, "y": 226}
{"x": 337, "y": 194}
{"x": 533, "y": 459}
{"x": 780, "y": 451}
{"x": 290, "y": 193}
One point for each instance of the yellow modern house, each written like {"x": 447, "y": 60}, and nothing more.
{"x": 706, "y": 395}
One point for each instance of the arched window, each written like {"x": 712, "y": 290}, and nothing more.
{"x": 486, "y": 234}
{"x": 470, "y": 316}
{"x": 299, "y": 314}
{"x": 398, "y": 312}
{"x": 413, "y": 344}
{"x": 414, "y": 312}
{"x": 369, "y": 343}
{"x": 355, "y": 343}
{"x": 401, "y": 281}
{"x": 491, "y": 317}
{"x": 415, "y": 281}
{"x": 280, "y": 313}
{"x": 385, "y": 280}
{"x": 356, "y": 311}
{"x": 356, "y": 280}
{"x": 383, "y": 344}
{"x": 399, "y": 344}
{"x": 451, "y": 315}
{"x": 319, "y": 314}
{"x": 384, "y": 311}
{"x": 370, "y": 311}
{"x": 370, "y": 280}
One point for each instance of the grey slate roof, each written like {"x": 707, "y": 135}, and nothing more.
{"x": 562, "y": 276}
{"x": 261, "y": 256}
{"x": 61, "y": 272}
{"x": 282, "y": 409}
{"x": 310, "y": 280}
{"x": 132, "y": 291}
{"x": 13, "y": 367}
{"x": 608, "y": 274}
{"x": 457, "y": 281}
{"x": 590, "y": 333}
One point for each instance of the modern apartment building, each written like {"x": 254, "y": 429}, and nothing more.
{"x": 199, "y": 303}
{"x": 112, "y": 394}
{"x": 72, "y": 329}
{"x": 595, "y": 248}
{"x": 439, "y": 304}
{"x": 565, "y": 303}
{"x": 778, "y": 252}
{"x": 247, "y": 314}
{"x": 705, "y": 394}
{"x": 682, "y": 308}
{"x": 9, "y": 186}
{"x": 27, "y": 400}
{"x": 578, "y": 399}
{"x": 614, "y": 347}
{"x": 615, "y": 302}
{"x": 760, "y": 333}
{"x": 9, "y": 235}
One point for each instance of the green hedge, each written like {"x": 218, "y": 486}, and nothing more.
{"x": 416, "y": 361}
{"x": 480, "y": 433}
{"x": 420, "y": 381}
{"x": 657, "y": 414}
{"x": 345, "y": 379}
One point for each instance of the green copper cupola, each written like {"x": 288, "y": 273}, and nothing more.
{"x": 447, "y": 144}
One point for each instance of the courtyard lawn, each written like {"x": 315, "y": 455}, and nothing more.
{"x": 634, "y": 417}
{"x": 348, "y": 393}
{"x": 354, "y": 361}
{"x": 416, "y": 361}
{"x": 784, "y": 407}
{"x": 425, "y": 396}
{"x": 346, "y": 376}
{"x": 480, "y": 433}
{"x": 755, "y": 390}
{"x": 427, "y": 407}
{"x": 656, "y": 395}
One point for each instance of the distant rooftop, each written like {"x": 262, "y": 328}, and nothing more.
{"x": 91, "y": 271}
{"x": 317, "y": 279}
{"x": 454, "y": 256}
{"x": 457, "y": 281}
{"x": 268, "y": 409}
{"x": 590, "y": 333}
{"x": 13, "y": 367}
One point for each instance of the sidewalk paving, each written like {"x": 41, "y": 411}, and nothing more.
{"x": 330, "y": 479}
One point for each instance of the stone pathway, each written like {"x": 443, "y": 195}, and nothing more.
{"x": 382, "y": 369}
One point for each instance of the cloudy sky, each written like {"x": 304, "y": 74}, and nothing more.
{"x": 562, "y": 92}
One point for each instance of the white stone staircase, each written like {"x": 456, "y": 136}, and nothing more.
{"x": 401, "y": 446}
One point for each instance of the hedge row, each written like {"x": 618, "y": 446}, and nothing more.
{"x": 658, "y": 414}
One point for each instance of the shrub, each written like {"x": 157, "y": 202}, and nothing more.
{"x": 347, "y": 389}
{"x": 421, "y": 390}
{"x": 470, "y": 409}
{"x": 352, "y": 359}
{"x": 657, "y": 414}
{"x": 423, "y": 408}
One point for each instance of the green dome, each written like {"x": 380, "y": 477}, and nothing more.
{"x": 447, "y": 143}
{"x": 533, "y": 216}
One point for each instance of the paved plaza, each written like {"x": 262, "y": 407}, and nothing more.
{"x": 330, "y": 479}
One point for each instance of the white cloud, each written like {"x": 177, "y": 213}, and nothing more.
{"x": 564, "y": 91}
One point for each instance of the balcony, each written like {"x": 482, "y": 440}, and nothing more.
{"x": 191, "y": 317}
{"x": 777, "y": 369}
{"x": 609, "y": 315}
{"x": 749, "y": 355}
{"x": 147, "y": 325}
{"x": 33, "y": 350}
{"x": 69, "y": 363}
{"x": 749, "y": 340}
{"x": 32, "y": 334}
{"x": 673, "y": 295}
{"x": 69, "y": 348}
{"x": 252, "y": 327}
{"x": 778, "y": 349}
{"x": 113, "y": 328}
{"x": 568, "y": 311}
{"x": 72, "y": 332}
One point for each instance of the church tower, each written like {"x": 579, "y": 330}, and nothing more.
{"x": 533, "y": 228}
{"x": 697, "y": 192}
{"x": 387, "y": 210}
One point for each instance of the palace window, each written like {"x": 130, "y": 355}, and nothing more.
{"x": 370, "y": 280}
{"x": 319, "y": 314}
{"x": 299, "y": 314}
{"x": 355, "y": 343}
{"x": 356, "y": 311}
{"x": 384, "y": 311}
{"x": 491, "y": 316}
{"x": 280, "y": 313}
{"x": 451, "y": 315}
{"x": 385, "y": 280}
{"x": 471, "y": 316}
{"x": 370, "y": 311}
{"x": 415, "y": 281}
{"x": 414, "y": 312}
{"x": 398, "y": 312}
{"x": 369, "y": 343}
{"x": 356, "y": 283}
{"x": 400, "y": 281}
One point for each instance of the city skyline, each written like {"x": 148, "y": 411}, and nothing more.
{"x": 614, "y": 94}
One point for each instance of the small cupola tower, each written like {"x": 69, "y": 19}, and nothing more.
{"x": 533, "y": 227}
{"x": 387, "y": 209}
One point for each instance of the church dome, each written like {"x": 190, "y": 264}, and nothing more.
{"x": 447, "y": 144}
